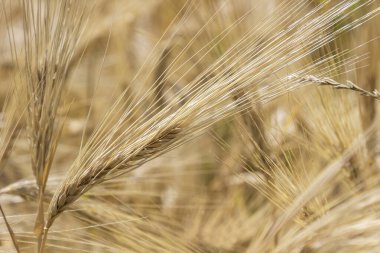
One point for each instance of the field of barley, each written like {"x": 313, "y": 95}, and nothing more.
{"x": 190, "y": 126}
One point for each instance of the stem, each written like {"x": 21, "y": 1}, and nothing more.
{"x": 13, "y": 236}
{"x": 39, "y": 225}
{"x": 42, "y": 243}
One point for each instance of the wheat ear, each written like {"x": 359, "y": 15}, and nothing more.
{"x": 110, "y": 165}
{"x": 325, "y": 81}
